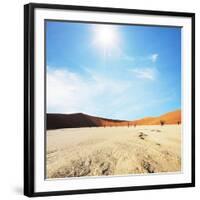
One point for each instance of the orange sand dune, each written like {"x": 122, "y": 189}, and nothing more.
{"x": 168, "y": 118}
{"x": 78, "y": 120}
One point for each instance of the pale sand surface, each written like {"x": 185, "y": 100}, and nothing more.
{"x": 113, "y": 151}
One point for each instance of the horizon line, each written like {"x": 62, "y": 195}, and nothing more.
{"x": 178, "y": 109}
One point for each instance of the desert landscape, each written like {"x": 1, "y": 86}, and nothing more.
{"x": 83, "y": 145}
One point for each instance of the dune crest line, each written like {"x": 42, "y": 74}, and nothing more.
{"x": 78, "y": 120}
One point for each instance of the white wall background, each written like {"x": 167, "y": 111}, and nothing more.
{"x": 11, "y": 97}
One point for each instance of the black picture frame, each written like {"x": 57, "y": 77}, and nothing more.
{"x": 29, "y": 17}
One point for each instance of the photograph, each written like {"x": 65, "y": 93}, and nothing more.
{"x": 109, "y": 99}
{"x": 113, "y": 99}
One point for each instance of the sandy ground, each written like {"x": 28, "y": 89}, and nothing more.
{"x": 113, "y": 151}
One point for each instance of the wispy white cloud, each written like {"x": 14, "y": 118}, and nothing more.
{"x": 145, "y": 73}
{"x": 128, "y": 57}
{"x": 69, "y": 92}
{"x": 64, "y": 91}
{"x": 120, "y": 54}
{"x": 153, "y": 57}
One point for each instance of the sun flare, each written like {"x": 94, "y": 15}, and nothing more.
{"x": 106, "y": 36}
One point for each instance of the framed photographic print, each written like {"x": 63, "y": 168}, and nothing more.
{"x": 108, "y": 99}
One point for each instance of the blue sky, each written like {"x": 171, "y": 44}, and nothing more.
{"x": 113, "y": 71}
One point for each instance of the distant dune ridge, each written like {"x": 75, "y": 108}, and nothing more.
{"x": 173, "y": 117}
{"x": 78, "y": 120}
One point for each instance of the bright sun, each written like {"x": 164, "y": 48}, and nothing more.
{"x": 106, "y": 36}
